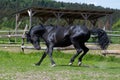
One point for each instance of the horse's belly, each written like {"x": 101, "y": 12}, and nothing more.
{"x": 63, "y": 43}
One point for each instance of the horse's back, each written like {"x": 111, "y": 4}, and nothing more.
{"x": 81, "y": 33}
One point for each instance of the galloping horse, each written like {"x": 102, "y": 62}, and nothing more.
{"x": 57, "y": 36}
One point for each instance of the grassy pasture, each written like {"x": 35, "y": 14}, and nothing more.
{"x": 19, "y": 66}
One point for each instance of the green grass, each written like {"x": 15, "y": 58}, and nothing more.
{"x": 20, "y": 66}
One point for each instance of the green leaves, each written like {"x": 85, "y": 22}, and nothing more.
{"x": 117, "y": 25}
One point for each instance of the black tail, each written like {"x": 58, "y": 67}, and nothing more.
{"x": 102, "y": 36}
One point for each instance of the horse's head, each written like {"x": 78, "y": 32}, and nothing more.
{"x": 33, "y": 36}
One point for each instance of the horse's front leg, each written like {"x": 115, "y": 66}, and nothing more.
{"x": 50, "y": 50}
{"x": 43, "y": 56}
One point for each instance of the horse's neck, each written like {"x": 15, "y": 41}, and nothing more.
{"x": 49, "y": 28}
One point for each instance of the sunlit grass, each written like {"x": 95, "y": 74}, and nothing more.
{"x": 94, "y": 67}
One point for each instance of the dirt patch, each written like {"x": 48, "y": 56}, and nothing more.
{"x": 58, "y": 75}
{"x": 42, "y": 76}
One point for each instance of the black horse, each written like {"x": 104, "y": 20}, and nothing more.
{"x": 57, "y": 36}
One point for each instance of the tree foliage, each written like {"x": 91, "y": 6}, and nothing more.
{"x": 8, "y": 7}
{"x": 116, "y": 25}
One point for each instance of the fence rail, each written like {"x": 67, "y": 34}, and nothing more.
{"x": 9, "y": 35}
{"x": 10, "y": 31}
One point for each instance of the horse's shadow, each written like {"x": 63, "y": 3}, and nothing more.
{"x": 90, "y": 66}
{"x": 86, "y": 66}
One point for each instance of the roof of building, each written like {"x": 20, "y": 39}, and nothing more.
{"x": 65, "y": 13}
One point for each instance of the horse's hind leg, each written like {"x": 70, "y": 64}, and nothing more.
{"x": 85, "y": 49}
{"x": 78, "y": 51}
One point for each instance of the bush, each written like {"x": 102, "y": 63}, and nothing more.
{"x": 116, "y": 25}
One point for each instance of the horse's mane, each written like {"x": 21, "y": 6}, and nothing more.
{"x": 31, "y": 28}
{"x": 37, "y": 25}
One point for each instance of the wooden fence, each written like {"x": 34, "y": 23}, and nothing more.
{"x": 10, "y": 34}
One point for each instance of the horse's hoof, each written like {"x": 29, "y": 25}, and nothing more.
{"x": 79, "y": 63}
{"x": 53, "y": 65}
{"x": 70, "y": 64}
{"x": 37, "y": 64}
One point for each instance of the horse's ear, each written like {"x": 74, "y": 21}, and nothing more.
{"x": 26, "y": 34}
{"x": 84, "y": 24}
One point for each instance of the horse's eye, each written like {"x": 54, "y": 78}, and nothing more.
{"x": 28, "y": 39}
